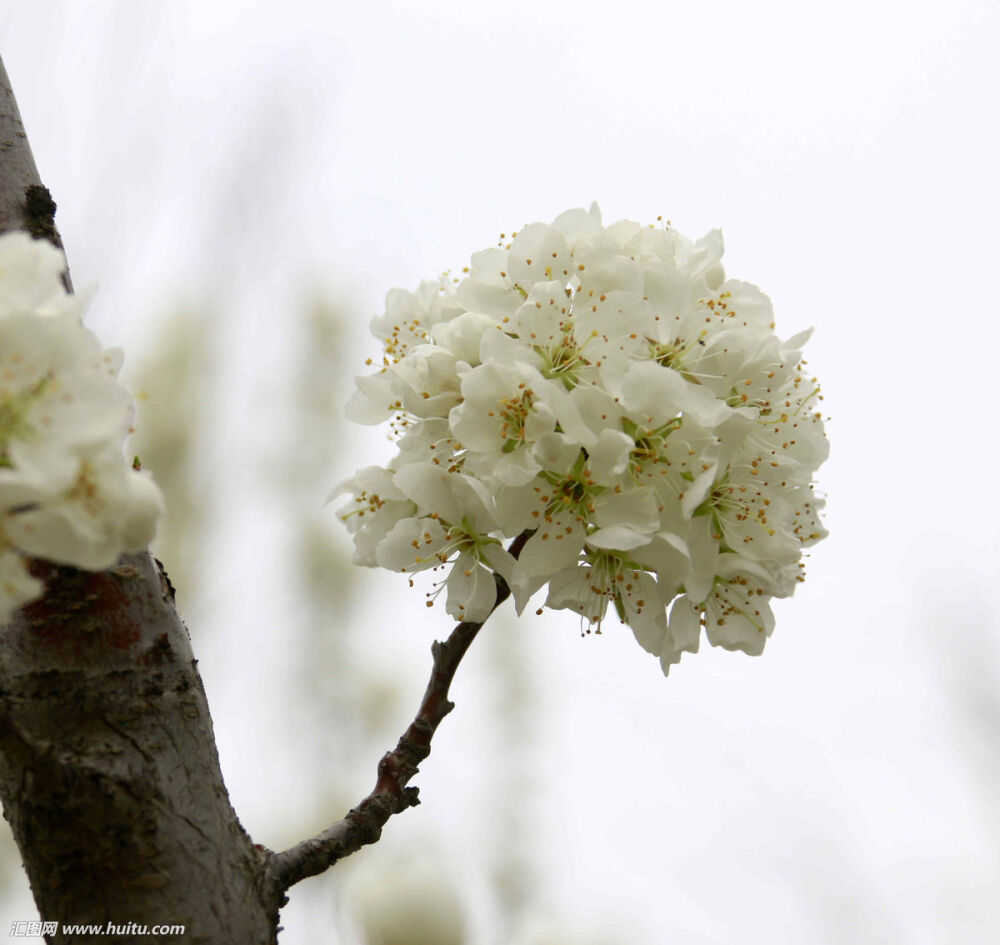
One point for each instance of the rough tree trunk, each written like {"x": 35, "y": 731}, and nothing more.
{"x": 109, "y": 774}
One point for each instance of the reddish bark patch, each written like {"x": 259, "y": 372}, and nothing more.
{"x": 81, "y": 616}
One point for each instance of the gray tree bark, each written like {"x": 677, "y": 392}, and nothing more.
{"x": 110, "y": 777}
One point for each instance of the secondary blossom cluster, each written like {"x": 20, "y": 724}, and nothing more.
{"x": 67, "y": 492}
{"x": 606, "y": 389}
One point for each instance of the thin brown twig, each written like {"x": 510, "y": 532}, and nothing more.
{"x": 363, "y": 824}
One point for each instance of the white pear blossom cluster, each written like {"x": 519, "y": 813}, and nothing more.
{"x": 607, "y": 390}
{"x": 67, "y": 492}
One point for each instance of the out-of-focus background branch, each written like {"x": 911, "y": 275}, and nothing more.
{"x": 253, "y": 183}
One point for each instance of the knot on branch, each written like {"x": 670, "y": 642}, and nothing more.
{"x": 410, "y": 798}
{"x": 39, "y": 213}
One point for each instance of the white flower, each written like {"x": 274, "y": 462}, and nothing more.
{"x": 737, "y": 612}
{"x": 82, "y": 508}
{"x": 57, "y": 385}
{"x": 504, "y": 409}
{"x": 375, "y": 509}
{"x": 409, "y": 316}
{"x": 67, "y": 491}
{"x": 603, "y": 578}
{"x": 605, "y": 393}
{"x": 452, "y": 526}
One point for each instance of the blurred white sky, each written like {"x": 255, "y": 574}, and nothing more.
{"x": 836, "y": 789}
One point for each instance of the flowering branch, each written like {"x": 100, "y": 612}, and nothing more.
{"x": 363, "y": 824}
